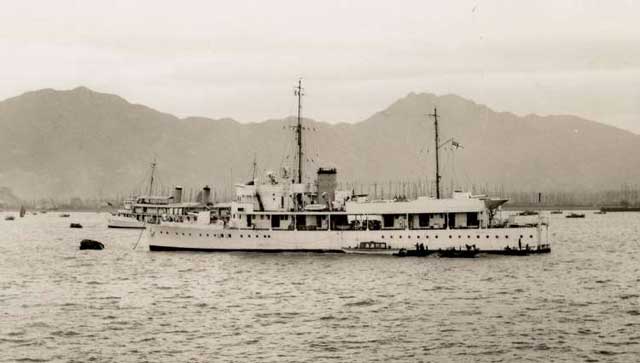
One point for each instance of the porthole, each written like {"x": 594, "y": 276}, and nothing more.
{"x": 189, "y": 234}
{"x": 530, "y": 236}
{"x": 449, "y": 236}
{"x": 478, "y": 236}
{"x": 436, "y": 236}
{"x": 521, "y": 236}
{"x": 400, "y": 236}
{"x": 507, "y": 236}
{"x": 207, "y": 234}
{"x": 200, "y": 234}
{"x": 248, "y": 236}
{"x": 257, "y": 236}
{"x": 427, "y": 236}
{"x": 229, "y": 235}
{"x": 240, "y": 236}
{"x": 468, "y": 236}
{"x": 264, "y": 236}
{"x": 418, "y": 236}
{"x": 497, "y": 236}
{"x": 487, "y": 236}
{"x": 381, "y": 236}
{"x": 391, "y": 236}
{"x": 459, "y": 236}
{"x": 183, "y": 233}
{"x": 176, "y": 233}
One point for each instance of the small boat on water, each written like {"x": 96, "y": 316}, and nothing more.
{"x": 9, "y": 218}
{"x": 371, "y": 248}
{"x": 556, "y": 212}
{"x": 600, "y": 212}
{"x": 65, "y": 215}
{"x": 469, "y": 252}
{"x": 575, "y": 215}
{"x": 528, "y": 213}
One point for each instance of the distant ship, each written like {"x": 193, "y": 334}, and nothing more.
{"x": 137, "y": 212}
{"x": 285, "y": 214}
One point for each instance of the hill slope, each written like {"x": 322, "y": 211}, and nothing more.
{"x": 83, "y": 143}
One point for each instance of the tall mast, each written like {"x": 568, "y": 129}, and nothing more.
{"x": 435, "y": 121}
{"x": 299, "y": 91}
{"x": 153, "y": 169}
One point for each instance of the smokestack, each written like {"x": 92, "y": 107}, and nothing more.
{"x": 206, "y": 194}
{"x": 327, "y": 184}
{"x": 177, "y": 194}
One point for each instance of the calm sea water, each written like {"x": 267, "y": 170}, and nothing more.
{"x": 579, "y": 303}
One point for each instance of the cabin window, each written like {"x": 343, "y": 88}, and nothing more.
{"x": 388, "y": 220}
{"x": 229, "y": 235}
{"x": 240, "y": 236}
{"x": 530, "y": 236}
{"x": 423, "y": 220}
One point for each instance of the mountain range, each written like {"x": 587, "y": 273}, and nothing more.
{"x": 79, "y": 142}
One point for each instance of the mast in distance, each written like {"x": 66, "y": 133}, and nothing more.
{"x": 153, "y": 169}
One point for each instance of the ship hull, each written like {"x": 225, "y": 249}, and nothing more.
{"x": 124, "y": 222}
{"x": 185, "y": 237}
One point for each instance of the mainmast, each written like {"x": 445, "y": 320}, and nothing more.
{"x": 435, "y": 121}
{"x": 299, "y": 91}
{"x": 153, "y": 169}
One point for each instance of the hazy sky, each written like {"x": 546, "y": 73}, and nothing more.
{"x": 241, "y": 58}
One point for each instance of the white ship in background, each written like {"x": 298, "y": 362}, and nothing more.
{"x": 137, "y": 212}
{"x": 282, "y": 214}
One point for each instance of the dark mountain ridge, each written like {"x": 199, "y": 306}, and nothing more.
{"x": 84, "y": 143}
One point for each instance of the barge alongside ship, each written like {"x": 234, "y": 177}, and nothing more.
{"x": 284, "y": 214}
